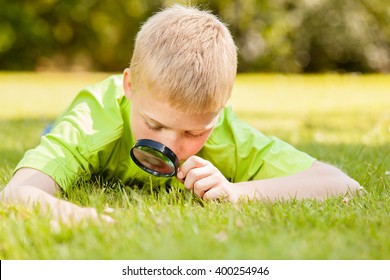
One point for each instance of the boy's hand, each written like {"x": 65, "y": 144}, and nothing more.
{"x": 206, "y": 181}
{"x": 69, "y": 213}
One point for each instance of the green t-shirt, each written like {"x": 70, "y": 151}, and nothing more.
{"x": 93, "y": 136}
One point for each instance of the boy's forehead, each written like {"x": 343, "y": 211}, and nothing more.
{"x": 164, "y": 113}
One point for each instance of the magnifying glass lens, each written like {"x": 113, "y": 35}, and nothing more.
{"x": 154, "y": 158}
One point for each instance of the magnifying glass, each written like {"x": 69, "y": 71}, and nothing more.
{"x": 154, "y": 158}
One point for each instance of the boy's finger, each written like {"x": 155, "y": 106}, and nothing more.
{"x": 202, "y": 185}
{"x": 107, "y": 219}
{"x": 193, "y": 176}
{"x": 190, "y": 163}
{"x": 108, "y": 210}
{"x": 216, "y": 194}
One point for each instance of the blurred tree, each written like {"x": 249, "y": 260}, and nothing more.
{"x": 272, "y": 35}
{"x": 310, "y": 35}
{"x": 70, "y": 34}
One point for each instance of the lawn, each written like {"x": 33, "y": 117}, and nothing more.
{"x": 340, "y": 119}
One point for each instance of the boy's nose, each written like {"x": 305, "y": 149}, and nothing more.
{"x": 175, "y": 143}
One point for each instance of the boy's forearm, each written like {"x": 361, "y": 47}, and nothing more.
{"x": 60, "y": 210}
{"x": 320, "y": 181}
{"x": 26, "y": 195}
{"x": 31, "y": 197}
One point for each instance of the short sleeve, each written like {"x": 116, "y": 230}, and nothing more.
{"x": 90, "y": 125}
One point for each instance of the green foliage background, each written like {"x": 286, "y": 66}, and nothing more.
{"x": 272, "y": 35}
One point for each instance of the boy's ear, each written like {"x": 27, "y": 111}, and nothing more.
{"x": 127, "y": 83}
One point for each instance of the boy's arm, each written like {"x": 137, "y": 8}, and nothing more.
{"x": 31, "y": 188}
{"x": 319, "y": 181}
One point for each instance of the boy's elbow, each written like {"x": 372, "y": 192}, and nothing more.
{"x": 6, "y": 194}
{"x": 11, "y": 194}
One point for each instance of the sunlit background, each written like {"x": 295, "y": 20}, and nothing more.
{"x": 296, "y": 36}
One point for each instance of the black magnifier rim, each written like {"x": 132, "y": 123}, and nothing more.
{"x": 157, "y": 146}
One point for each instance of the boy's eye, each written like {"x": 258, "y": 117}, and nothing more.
{"x": 193, "y": 135}
{"x": 153, "y": 127}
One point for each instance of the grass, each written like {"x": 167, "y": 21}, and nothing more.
{"x": 340, "y": 119}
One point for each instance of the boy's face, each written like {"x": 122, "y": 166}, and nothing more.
{"x": 185, "y": 134}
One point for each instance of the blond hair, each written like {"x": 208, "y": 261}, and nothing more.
{"x": 187, "y": 57}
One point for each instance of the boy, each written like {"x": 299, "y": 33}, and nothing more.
{"x": 175, "y": 90}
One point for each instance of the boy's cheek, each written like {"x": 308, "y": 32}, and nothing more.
{"x": 189, "y": 150}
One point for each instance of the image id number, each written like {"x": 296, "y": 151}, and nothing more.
{"x": 234, "y": 270}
